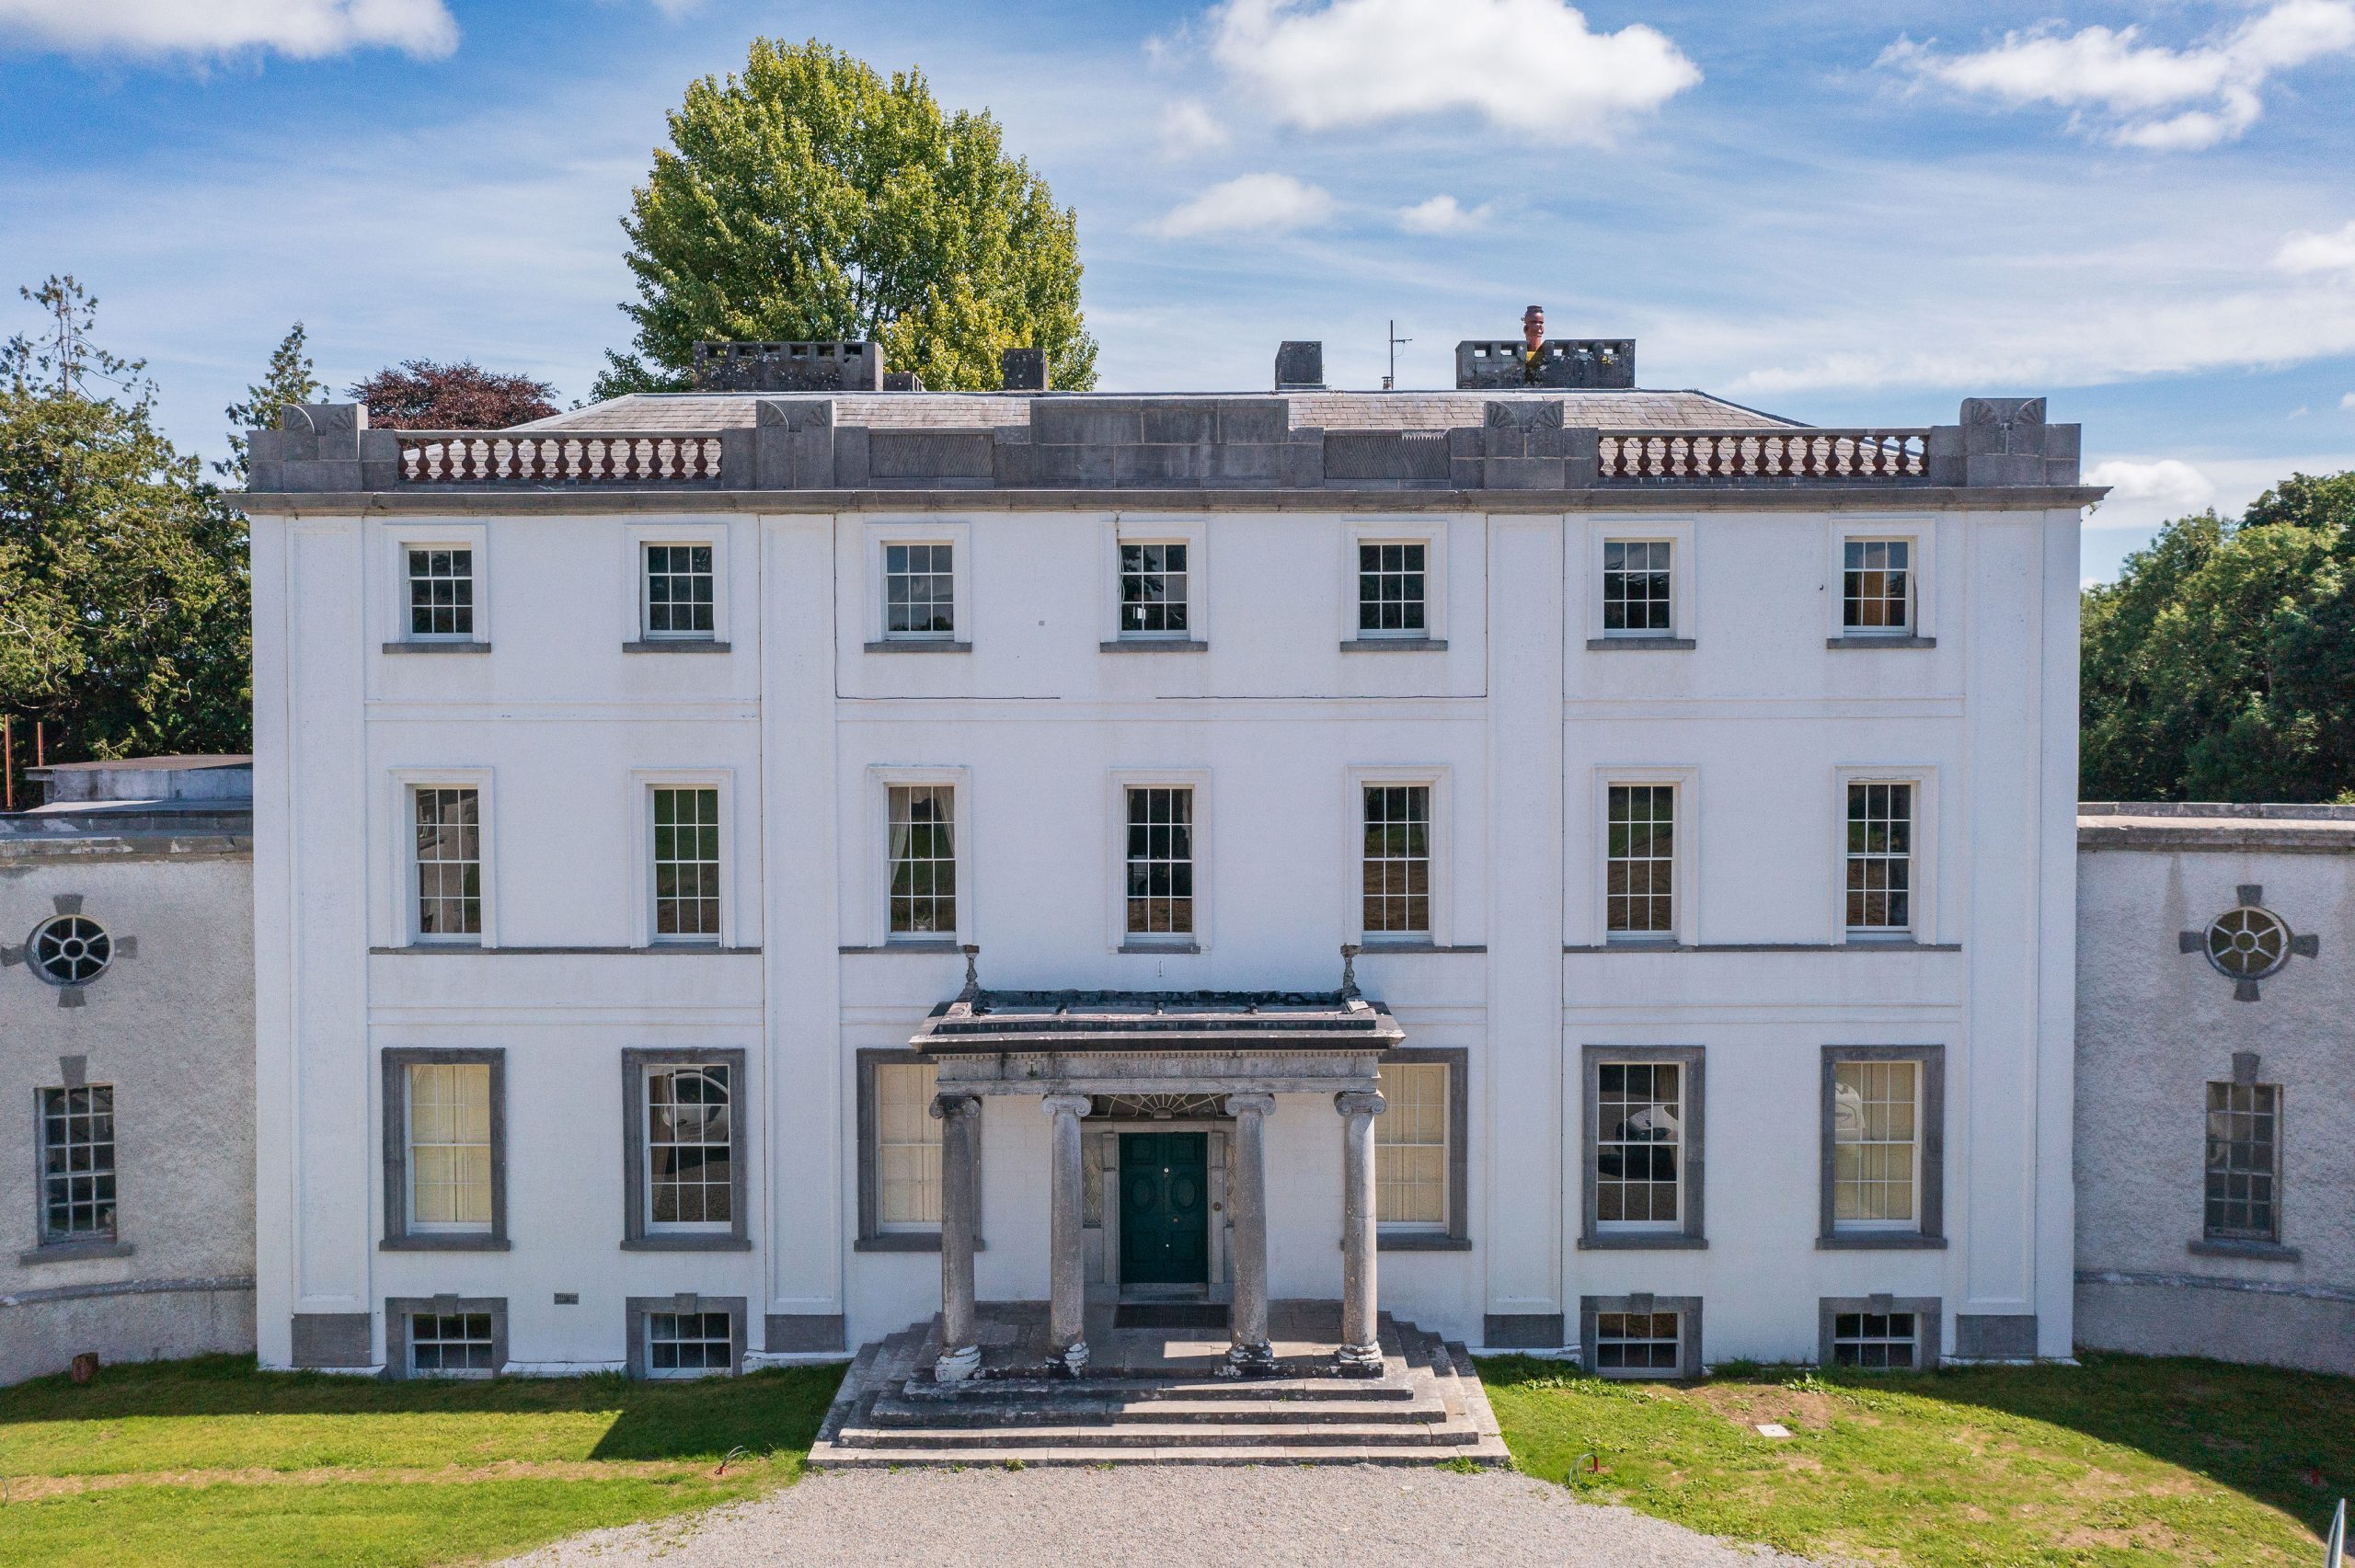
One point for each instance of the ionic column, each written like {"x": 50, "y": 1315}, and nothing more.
{"x": 1067, "y": 1306}
{"x": 1246, "y": 1204}
{"x": 960, "y": 1203}
{"x": 1360, "y": 1352}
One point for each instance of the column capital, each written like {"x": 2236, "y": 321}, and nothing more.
{"x": 1060, "y": 1105}
{"x": 1253, "y": 1105}
{"x": 1360, "y": 1102}
{"x": 951, "y": 1102}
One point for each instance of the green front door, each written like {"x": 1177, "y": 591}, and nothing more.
{"x": 1165, "y": 1208}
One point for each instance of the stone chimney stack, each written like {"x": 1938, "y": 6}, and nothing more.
{"x": 1024, "y": 370}
{"x": 1300, "y": 367}
{"x": 788, "y": 367}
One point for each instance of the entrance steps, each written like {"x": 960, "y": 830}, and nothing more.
{"x": 1427, "y": 1407}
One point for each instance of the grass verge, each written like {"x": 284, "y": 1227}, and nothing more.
{"x": 2121, "y": 1460}
{"x": 210, "y": 1462}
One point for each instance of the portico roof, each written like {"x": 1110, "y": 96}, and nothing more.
{"x": 1034, "y": 1022}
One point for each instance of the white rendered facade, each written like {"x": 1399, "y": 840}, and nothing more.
{"x": 1516, "y": 708}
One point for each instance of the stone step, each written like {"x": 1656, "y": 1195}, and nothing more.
{"x": 1162, "y": 1435}
{"x": 1488, "y": 1454}
{"x": 1075, "y": 1411}
{"x": 1354, "y": 1390}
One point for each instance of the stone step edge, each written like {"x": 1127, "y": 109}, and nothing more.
{"x": 899, "y": 1414}
{"x": 1358, "y": 1391}
{"x": 1113, "y": 1439}
{"x": 1488, "y": 1453}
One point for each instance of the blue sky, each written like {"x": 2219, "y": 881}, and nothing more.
{"x": 1847, "y": 216}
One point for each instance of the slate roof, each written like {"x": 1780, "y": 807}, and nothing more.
{"x": 1615, "y": 410}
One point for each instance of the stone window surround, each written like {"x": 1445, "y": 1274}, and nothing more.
{"x": 1923, "y": 903}
{"x": 639, "y": 1234}
{"x": 1928, "y": 1316}
{"x": 1193, "y": 532}
{"x": 875, "y": 882}
{"x": 399, "y": 1309}
{"x": 642, "y": 784}
{"x": 1432, "y": 535}
{"x": 637, "y": 1307}
{"x": 1456, "y": 1234}
{"x": 402, "y": 805}
{"x": 958, "y": 537}
{"x": 1930, "y": 1123}
{"x": 72, "y": 1073}
{"x": 1685, "y": 905}
{"x": 1438, "y": 779}
{"x": 1117, "y": 783}
{"x": 2245, "y": 1067}
{"x": 424, "y": 534}
{"x": 1691, "y": 1234}
{"x": 398, "y": 1238}
{"x": 872, "y": 1237}
{"x": 1917, "y": 530}
{"x": 1688, "y": 1331}
{"x": 637, "y": 536}
{"x": 1585, "y": 586}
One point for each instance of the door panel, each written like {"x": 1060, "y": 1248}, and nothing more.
{"x": 1165, "y": 1208}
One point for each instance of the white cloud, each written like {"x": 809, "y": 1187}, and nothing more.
{"x": 1186, "y": 129}
{"x": 2348, "y": 402}
{"x": 303, "y": 29}
{"x": 2332, "y": 252}
{"x": 1443, "y": 215}
{"x": 2133, "y": 93}
{"x": 1529, "y": 65}
{"x": 1257, "y": 203}
{"x": 2168, "y": 482}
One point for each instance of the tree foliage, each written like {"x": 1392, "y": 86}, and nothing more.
{"x": 2221, "y": 665}
{"x": 287, "y": 381}
{"x": 418, "y": 394}
{"x": 124, "y": 593}
{"x": 810, "y": 199}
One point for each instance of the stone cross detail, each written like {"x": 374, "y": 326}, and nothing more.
{"x": 2251, "y": 896}
{"x": 70, "y": 994}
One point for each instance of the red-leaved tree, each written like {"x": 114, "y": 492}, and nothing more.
{"x": 418, "y": 394}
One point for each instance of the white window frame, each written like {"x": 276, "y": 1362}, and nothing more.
{"x": 1919, "y": 534}
{"x": 1586, "y": 584}
{"x": 1448, "y": 1092}
{"x": 741, "y": 1181}
{"x": 1912, "y": 1223}
{"x": 1194, "y": 532}
{"x": 399, "y": 540}
{"x": 402, "y": 809}
{"x": 884, "y": 1227}
{"x": 1687, "y": 1075}
{"x": 1433, "y": 537}
{"x": 637, "y": 537}
{"x": 958, "y": 537}
{"x": 488, "y": 1226}
{"x": 1685, "y": 889}
{"x": 1922, "y": 930}
{"x": 643, "y": 782}
{"x": 1117, "y": 783}
{"x": 876, "y": 881}
{"x": 686, "y": 1374}
{"x": 1354, "y": 783}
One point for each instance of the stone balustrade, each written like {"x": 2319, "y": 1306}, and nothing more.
{"x": 639, "y": 457}
{"x": 1628, "y": 455}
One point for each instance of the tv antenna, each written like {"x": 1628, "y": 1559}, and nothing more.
{"x": 1390, "y": 382}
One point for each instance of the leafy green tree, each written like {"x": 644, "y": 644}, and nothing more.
{"x": 124, "y": 606}
{"x": 287, "y": 381}
{"x": 2221, "y": 665}
{"x": 810, "y": 199}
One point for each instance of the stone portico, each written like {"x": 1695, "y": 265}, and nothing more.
{"x": 1155, "y": 1061}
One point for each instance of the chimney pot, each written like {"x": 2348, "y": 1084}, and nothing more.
{"x": 1300, "y": 366}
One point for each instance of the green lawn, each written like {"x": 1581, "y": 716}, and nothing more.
{"x": 2121, "y": 1460}
{"x": 212, "y": 1461}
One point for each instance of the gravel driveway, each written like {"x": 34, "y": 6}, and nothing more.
{"x": 1154, "y": 1513}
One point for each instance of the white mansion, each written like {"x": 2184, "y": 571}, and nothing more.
{"x": 738, "y": 873}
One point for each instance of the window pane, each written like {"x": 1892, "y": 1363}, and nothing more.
{"x": 448, "y": 1145}
{"x": 1390, "y": 588}
{"x": 1636, "y": 585}
{"x": 1638, "y": 1145}
{"x": 1397, "y": 866}
{"x": 451, "y": 1344}
{"x": 690, "y": 1146}
{"x": 924, "y": 859}
{"x": 78, "y": 1165}
{"x": 1153, "y": 589}
{"x": 449, "y": 862}
{"x": 1876, "y": 1340}
{"x": 919, "y": 589}
{"x": 1161, "y": 862}
{"x": 2243, "y": 1161}
{"x": 440, "y": 593}
{"x": 1411, "y": 1145}
{"x": 688, "y": 1345}
{"x": 1880, "y": 857}
{"x": 1640, "y": 868}
{"x": 907, "y": 1145}
{"x": 686, "y": 863}
{"x": 1874, "y": 1149}
{"x": 679, "y": 591}
{"x": 1637, "y": 1342}
{"x": 1876, "y": 584}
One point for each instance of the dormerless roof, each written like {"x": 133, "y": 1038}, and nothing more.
{"x": 1612, "y": 411}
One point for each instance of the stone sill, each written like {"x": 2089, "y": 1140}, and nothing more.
{"x": 1854, "y": 945}
{"x": 1394, "y": 645}
{"x": 686, "y": 1245}
{"x": 907, "y": 1241}
{"x": 450, "y": 1243}
{"x": 1421, "y": 1241}
{"x": 453, "y": 646}
{"x": 1376, "y": 949}
{"x": 676, "y": 644}
{"x": 1640, "y": 1243}
{"x": 73, "y": 1252}
{"x": 1867, "y": 1242}
{"x": 2225, "y": 1247}
{"x": 1153, "y": 645}
{"x": 931, "y": 945}
{"x": 919, "y": 645}
{"x": 668, "y": 949}
{"x": 1869, "y": 642}
{"x": 1159, "y": 948}
{"x": 1640, "y": 644}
